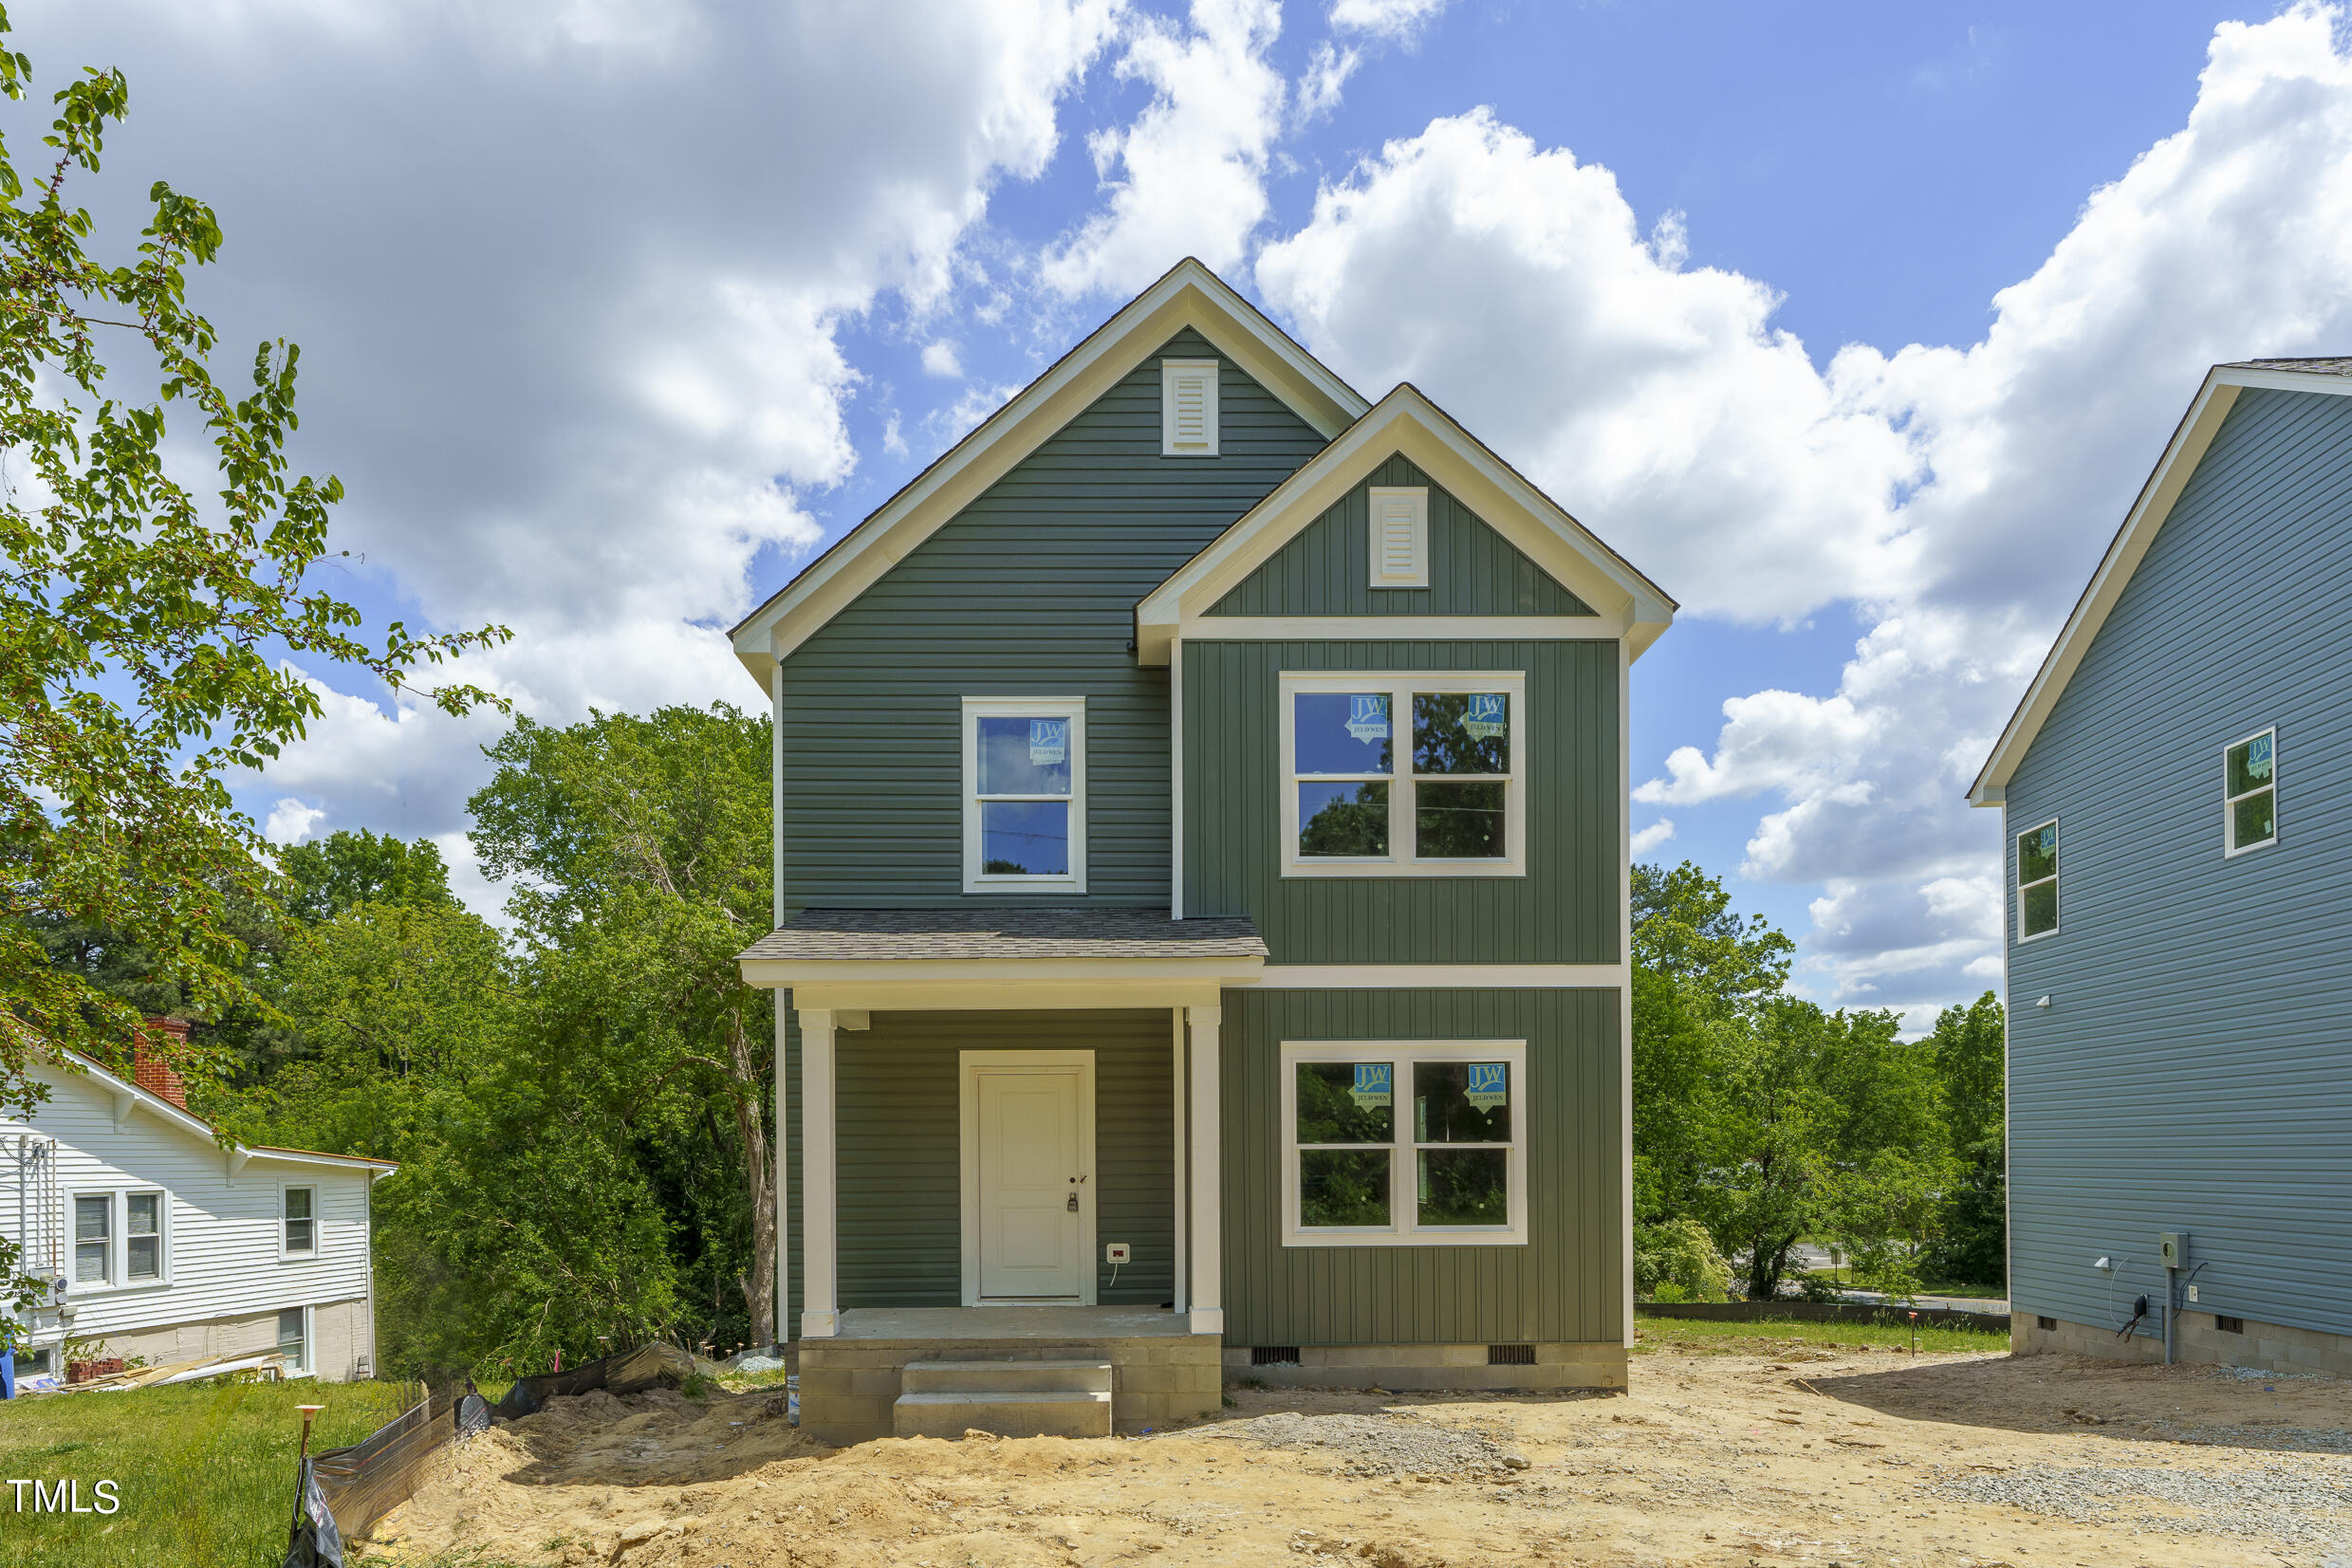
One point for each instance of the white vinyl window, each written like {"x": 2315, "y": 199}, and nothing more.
{"x": 1404, "y": 775}
{"x": 93, "y": 1239}
{"x": 301, "y": 1223}
{"x": 1024, "y": 794}
{"x": 2037, "y": 882}
{"x": 2250, "y": 804}
{"x": 1399, "y": 537}
{"x": 1188, "y": 408}
{"x": 1404, "y": 1143}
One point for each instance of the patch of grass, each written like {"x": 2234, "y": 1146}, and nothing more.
{"x": 1773, "y": 1336}
{"x": 205, "y": 1473}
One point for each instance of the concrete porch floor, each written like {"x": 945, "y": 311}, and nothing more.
{"x": 1010, "y": 1323}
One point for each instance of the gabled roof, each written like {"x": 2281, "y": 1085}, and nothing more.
{"x": 129, "y": 1095}
{"x": 2186, "y": 450}
{"x": 1188, "y": 295}
{"x": 1406, "y": 421}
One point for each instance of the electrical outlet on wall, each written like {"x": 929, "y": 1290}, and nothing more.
{"x": 1116, "y": 1252}
{"x": 2193, "y": 1293}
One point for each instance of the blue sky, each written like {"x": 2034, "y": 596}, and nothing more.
{"x": 615, "y": 311}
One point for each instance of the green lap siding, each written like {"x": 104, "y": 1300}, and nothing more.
{"x": 1567, "y": 1283}
{"x": 898, "y": 1162}
{"x": 1326, "y": 568}
{"x": 1567, "y": 909}
{"x": 1031, "y": 590}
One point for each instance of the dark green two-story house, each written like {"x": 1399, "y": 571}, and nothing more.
{"x": 1201, "y": 904}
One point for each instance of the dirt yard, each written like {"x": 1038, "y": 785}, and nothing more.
{"x": 1844, "y": 1457}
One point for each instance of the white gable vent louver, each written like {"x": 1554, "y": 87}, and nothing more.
{"x": 1399, "y": 537}
{"x": 1188, "y": 408}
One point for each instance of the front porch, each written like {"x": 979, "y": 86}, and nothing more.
{"x": 1009, "y": 1157}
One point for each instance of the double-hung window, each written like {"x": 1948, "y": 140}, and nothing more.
{"x": 2037, "y": 882}
{"x": 1024, "y": 794}
{"x": 1411, "y": 1143}
{"x": 301, "y": 1223}
{"x": 93, "y": 1239}
{"x": 2250, "y": 807}
{"x": 1404, "y": 774}
{"x": 294, "y": 1338}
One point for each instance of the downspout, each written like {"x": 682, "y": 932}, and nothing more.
{"x": 367, "y": 1206}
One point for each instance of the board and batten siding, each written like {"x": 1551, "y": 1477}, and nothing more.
{"x": 1567, "y": 1284}
{"x": 1031, "y": 590}
{"x": 2194, "y": 1068}
{"x": 1324, "y": 569}
{"x": 221, "y": 1233}
{"x": 1566, "y": 909}
{"x": 899, "y": 1180}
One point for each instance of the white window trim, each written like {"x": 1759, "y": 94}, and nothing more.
{"x": 318, "y": 1230}
{"x": 1171, "y": 371}
{"x": 309, "y": 1344}
{"x": 163, "y": 1237}
{"x": 1073, "y": 710}
{"x": 119, "y": 1281}
{"x": 2229, "y": 849}
{"x": 1401, "y": 686}
{"x": 1403, "y": 1186}
{"x": 1416, "y": 498}
{"x": 2054, "y": 878}
{"x": 77, "y": 1285}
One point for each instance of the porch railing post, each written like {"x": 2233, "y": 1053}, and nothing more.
{"x": 818, "y": 1317}
{"x": 1207, "y": 1275}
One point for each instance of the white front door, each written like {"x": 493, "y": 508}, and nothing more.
{"x": 1033, "y": 1169}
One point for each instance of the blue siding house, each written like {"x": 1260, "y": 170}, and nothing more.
{"x": 2177, "y": 788}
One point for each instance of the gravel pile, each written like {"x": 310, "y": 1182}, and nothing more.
{"x": 2294, "y": 1503}
{"x": 1381, "y": 1444}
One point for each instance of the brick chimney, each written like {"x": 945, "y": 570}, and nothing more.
{"x": 148, "y": 1070}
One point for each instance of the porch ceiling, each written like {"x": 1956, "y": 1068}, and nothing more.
{"x": 901, "y": 959}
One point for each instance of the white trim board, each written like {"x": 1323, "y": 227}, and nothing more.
{"x": 1405, "y": 421}
{"x": 969, "y": 1066}
{"x": 1188, "y": 295}
{"x": 2191, "y": 439}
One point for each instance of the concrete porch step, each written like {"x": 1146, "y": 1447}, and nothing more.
{"x": 1006, "y": 1377}
{"x": 1005, "y": 1413}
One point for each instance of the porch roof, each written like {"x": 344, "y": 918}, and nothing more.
{"x": 1003, "y": 957}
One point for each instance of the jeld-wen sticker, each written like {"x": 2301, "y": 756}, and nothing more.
{"x": 1488, "y": 1084}
{"x": 1049, "y": 742}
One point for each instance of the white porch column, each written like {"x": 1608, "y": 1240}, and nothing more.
{"x": 1182, "y": 1180}
{"x": 1206, "y": 1280}
{"x": 818, "y": 1317}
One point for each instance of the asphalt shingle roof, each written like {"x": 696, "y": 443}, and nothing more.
{"x": 966, "y": 934}
{"x": 2309, "y": 367}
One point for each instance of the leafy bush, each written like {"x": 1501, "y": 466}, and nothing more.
{"x": 1676, "y": 1261}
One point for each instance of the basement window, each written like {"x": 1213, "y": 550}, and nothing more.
{"x": 1024, "y": 794}
{"x": 1405, "y": 1143}
{"x": 2037, "y": 882}
{"x": 2249, "y": 817}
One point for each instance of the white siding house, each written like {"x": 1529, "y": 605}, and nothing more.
{"x": 161, "y": 1243}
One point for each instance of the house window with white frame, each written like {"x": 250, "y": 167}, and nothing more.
{"x": 1412, "y": 1143}
{"x": 1024, "y": 794}
{"x": 93, "y": 1239}
{"x": 294, "y": 1338}
{"x": 1404, "y": 774}
{"x": 300, "y": 1221}
{"x": 2250, "y": 814}
{"x": 2037, "y": 882}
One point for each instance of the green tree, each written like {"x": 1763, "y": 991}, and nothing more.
{"x": 1970, "y": 1046}
{"x": 638, "y": 852}
{"x": 143, "y": 626}
{"x": 328, "y": 875}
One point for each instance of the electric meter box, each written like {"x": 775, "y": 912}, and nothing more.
{"x": 2173, "y": 1247}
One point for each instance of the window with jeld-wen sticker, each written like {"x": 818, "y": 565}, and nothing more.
{"x": 2037, "y": 882}
{"x": 1025, "y": 795}
{"x": 1404, "y": 774}
{"x": 2249, "y": 809}
{"x": 1408, "y": 1143}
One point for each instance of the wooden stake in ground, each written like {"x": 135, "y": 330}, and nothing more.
{"x": 301, "y": 1467}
